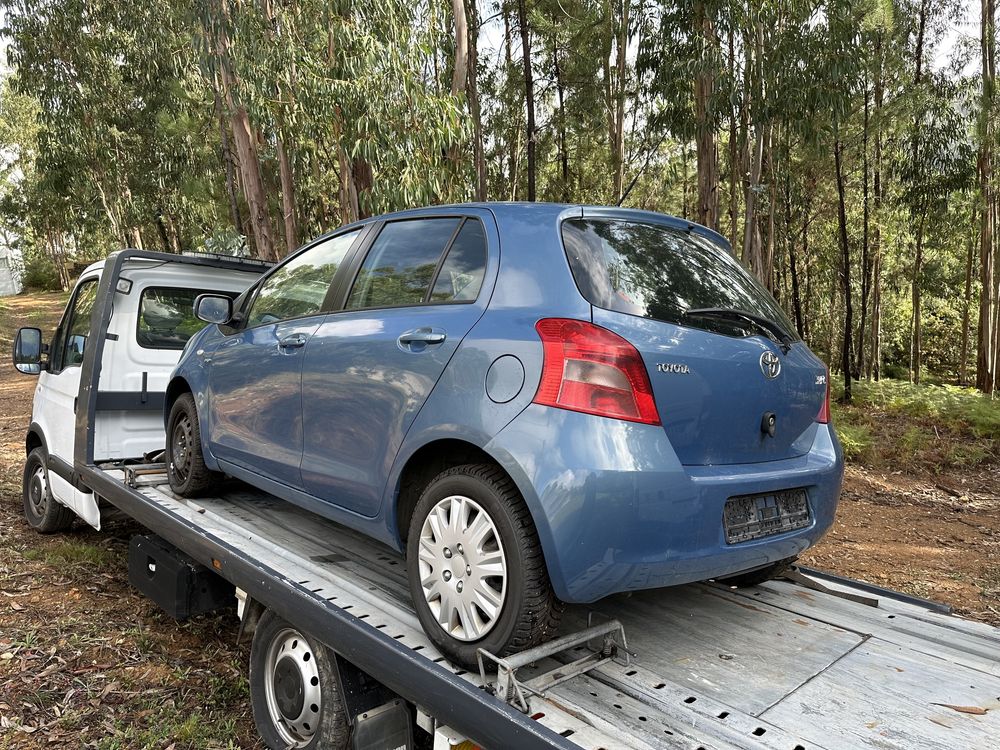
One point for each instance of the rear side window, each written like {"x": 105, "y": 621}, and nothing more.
{"x": 400, "y": 266}
{"x": 662, "y": 273}
{"x": 166, "y": 317}
{"x": 461, "y": 274}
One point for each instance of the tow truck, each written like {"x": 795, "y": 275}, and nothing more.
{"x": 813, "y": 661}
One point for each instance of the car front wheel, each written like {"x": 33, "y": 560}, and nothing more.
{"x": 475, "y": 566}
{"x": 186, "y": 470}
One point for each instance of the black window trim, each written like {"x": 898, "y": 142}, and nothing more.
{"x": 157, "y": 287}
{"x": 54, "y": 367}
{"x": 363, "y": 252}
{"x": 325, "y": 307}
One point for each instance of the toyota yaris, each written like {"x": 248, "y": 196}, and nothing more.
{"x": 536, "y": 403}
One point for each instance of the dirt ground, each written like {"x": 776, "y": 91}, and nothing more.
{"x": 87, "y": 662}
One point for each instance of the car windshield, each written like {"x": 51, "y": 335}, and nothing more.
{"x": 666, "y": 274}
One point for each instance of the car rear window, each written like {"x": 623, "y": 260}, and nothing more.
{"x": 661, "y": 273}
{"x": 166, "y": 317}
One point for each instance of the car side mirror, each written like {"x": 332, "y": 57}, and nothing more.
{"x": 28, "y": 351}
{"x": 213, "y": 308}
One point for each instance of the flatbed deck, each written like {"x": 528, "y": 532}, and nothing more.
{"x": 780, "y": 665}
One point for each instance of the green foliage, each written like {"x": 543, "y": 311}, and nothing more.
{"x": 40, "y": 273}
{"x": 118, "y": 125}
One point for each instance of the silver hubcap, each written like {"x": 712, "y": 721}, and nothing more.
{"x": 463, "y": 571}
{"x": 291, "y": 688}
{"x": 38, "y": 491}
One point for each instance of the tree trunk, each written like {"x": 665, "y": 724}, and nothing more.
{"x": 845, "y": 272}
{"x": 461, "y": 67}
{"x": 561, "y": 121}
{"x": 615, "y": 93}
{"x": 875, "y": 360}
{"x": 246, "y": 147}
{"x": 287, "y": 198}
{"x": 792, "y": 266}
{"x": 227, "y": 161}
{"x": 985, "y": 372}
{"x": 472, "y": 91}
{"x": 734, "y": 168}
{"x": 859, "y": 348}
{"x": 963, "y": 363}
{"x": 708, "y": 157}
{"x": 918, "y": 261}
{"x": 529, "y": 95}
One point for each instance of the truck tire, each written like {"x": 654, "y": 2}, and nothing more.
{"x": 475, "y": 566}
{"x": 759, "y": 576}
{"x": 44, "y": 513}
{"x": 294, "y": 691}
{"x": 186, "y": 470}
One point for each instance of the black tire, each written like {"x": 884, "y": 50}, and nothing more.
{"x": 328, "y": 728}
{"x": 44, "y": 513}
{"x": 759, "y": 576}
{"x": 529, "y": 612}
{"x": 186, "y": 470}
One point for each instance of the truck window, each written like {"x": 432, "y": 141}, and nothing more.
{"x": 71, "y": 342}
{"x": 166, "y": 317}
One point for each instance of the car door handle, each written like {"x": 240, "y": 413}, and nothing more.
{"x": 295, "y": 341}
{"x": 423, "y": 336}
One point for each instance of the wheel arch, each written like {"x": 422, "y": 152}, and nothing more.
{"x": 34, "y": 438}
{"x": 175, "y": 388}
{"x": 422, "y": 466}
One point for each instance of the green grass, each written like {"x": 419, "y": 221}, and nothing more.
{"x": 932, "y": 426}
{"x": 62, "y": 554}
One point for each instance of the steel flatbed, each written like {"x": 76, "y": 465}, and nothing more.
{"x": 783, "y": 665}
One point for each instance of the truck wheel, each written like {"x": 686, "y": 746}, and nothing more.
{"x": 475, "y": 566}
{"x": 294, "y": 690}
{"x": 759, "y": 576}
{"x": 44, "y": 513}
{"x": 186, "y": 470}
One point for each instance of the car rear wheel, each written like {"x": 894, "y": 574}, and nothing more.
{"x": 475, "y": 566}
{"x": 44, "y": 513}
{"x": 294, "y": 690}
{"x": 186, "y": 470}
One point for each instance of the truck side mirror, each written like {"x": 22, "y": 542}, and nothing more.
{"x": 213, "y": 308}
{"x": 28, "y": 351}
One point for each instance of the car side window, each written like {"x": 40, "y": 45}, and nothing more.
{"x": 399, "y": 268}
{"x": 299, "y": 286}
{"x": 73, "y": 340}
{"x": 461, "y": 274}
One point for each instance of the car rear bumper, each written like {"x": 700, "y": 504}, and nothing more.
{"x": 616, "y": 511}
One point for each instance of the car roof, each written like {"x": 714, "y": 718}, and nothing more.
{"x": 506, "y": 210}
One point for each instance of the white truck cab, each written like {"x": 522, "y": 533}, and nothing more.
{"x": 152, "y": 319}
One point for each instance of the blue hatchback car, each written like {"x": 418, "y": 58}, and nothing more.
{"x": 537, "y": 403}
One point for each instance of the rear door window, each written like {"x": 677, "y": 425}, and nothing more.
{"x": 400, "y": 266}
{"x": 166, "y": 317}
{"x": 665, "y": 274}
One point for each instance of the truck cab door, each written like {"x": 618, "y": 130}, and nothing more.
{"x": 56, "y": 398}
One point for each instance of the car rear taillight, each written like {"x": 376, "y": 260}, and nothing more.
{"x": 824, "y": 411}
{"x": 589, "y": 369}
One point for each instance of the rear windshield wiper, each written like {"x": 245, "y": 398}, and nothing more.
{"x": 778, "y": 333}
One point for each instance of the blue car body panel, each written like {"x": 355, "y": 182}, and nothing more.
{"x": 618, "y": 505}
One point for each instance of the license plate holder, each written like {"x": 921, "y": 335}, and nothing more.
{"x": 748, "y": 517}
